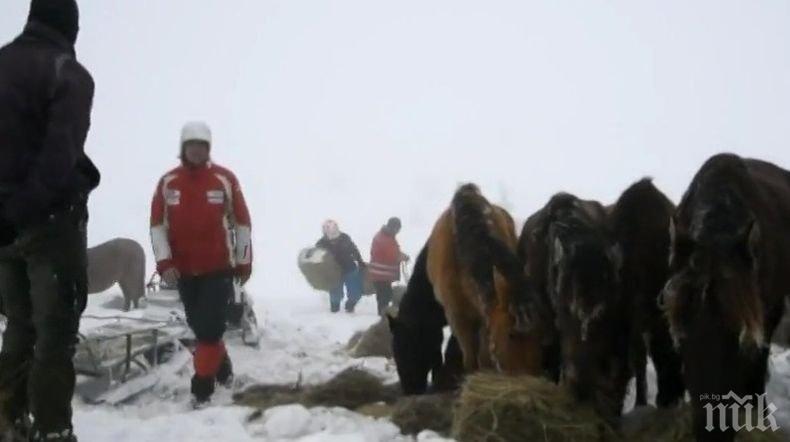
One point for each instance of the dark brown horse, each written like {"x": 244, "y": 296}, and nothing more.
{"x": 602, "y": 270}
{"x": 640, "y": 224}
{"x": 579, "y": 269}
{"x": 535, "y": 251}
{"x": 729, "y": 280}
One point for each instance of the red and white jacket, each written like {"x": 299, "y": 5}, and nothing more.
{"x": 385, "y": 258}
{"x": 200, "y": 223}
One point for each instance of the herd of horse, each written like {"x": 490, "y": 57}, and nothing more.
{"x": 587, "y": 292}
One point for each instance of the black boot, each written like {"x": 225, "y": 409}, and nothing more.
{"x": 17, "y": 431}
{"x": 225, "y": 373}
{"x": 14, "y": 414}
{"x": 65, "y": 435}
{"x": 202, "y": 389}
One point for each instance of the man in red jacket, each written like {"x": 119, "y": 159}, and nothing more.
{"x": 201, "y": 235}
{"x": 385, "y": 260}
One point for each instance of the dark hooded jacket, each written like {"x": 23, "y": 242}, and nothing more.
{"x": 344, "y": 250}
{"x": 45, "y": 104}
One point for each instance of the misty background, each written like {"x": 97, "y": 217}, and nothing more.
{"x": 359, "y": 110}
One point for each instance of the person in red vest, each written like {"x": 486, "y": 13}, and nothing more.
{"x": 201, "y": 235}
{"x": 385, "y": 260}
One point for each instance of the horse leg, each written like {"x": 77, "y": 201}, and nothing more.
{"x": 447, "y": 376}
{"x": 485, "y": 358}
{"x": 669, "y": 366}
{"x": 639, "y": 363}
{"x": 128, "y": 297}
{"x": 133, "y": 286}
{"x": 466, "y": 332}
{"x": 453, "y": 363}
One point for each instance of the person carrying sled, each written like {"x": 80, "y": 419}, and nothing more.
{"x": 46, "y": 98}
{"x": 385, "y": 260}
{"x": 201, "y": 236}
{"x": 351, "y": 265}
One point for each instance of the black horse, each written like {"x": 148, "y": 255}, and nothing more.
{"x": 418, "y": 335}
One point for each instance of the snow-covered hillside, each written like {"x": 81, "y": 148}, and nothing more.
{"x": 301, "y": 339}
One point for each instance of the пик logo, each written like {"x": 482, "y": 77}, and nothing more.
{"x": 741, "y": 412}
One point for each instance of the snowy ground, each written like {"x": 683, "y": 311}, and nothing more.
{"x": 300, "y": 340}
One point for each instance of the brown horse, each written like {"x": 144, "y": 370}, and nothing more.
{"x": 480, "y": 283}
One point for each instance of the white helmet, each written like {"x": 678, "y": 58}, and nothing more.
{"x": 196, "y": 131}
{"x": 331, "y": 229}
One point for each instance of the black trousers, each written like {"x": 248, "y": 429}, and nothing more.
{"x": 206, "y": 301}
{"x": 383, "y": 295}
{"x": 43, "y": 285}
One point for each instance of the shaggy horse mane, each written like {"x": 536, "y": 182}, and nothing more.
{"x": 716, "y": 215}
{"x": 480, "y": 248}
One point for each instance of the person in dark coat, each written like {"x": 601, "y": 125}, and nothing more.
{"x": 45, "y": 178}
{"x": 351, "y": 265}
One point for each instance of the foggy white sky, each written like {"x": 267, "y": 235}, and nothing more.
{"x": 363, "y": 109}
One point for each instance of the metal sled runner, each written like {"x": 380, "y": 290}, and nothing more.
{"x": 127, "y": 356}
{"x": 124, "y": 355}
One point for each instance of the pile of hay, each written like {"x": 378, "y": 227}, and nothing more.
{"x": 320, "y": 269}
{"x": 649, "y": 424}
{"x": 375, "y": 341}
{"x": 359, "y": 391}
{"x": 645, "y": 424}
{"x": 415, "y": 414}
{"x": 501, "y": 408}
{"x": 508, "y": 408}
{"x": 350, "y": 389}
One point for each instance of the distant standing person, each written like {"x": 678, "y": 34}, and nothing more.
{"x": 201, "y": 235}
{"x": 385, "y": 260}
{"x": 46, "y": 97}
{"x": 351, "y": 265}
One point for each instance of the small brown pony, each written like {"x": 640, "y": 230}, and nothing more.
{"x": 480, "y": 282}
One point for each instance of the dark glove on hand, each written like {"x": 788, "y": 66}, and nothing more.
{"x": 243, "y": 273}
